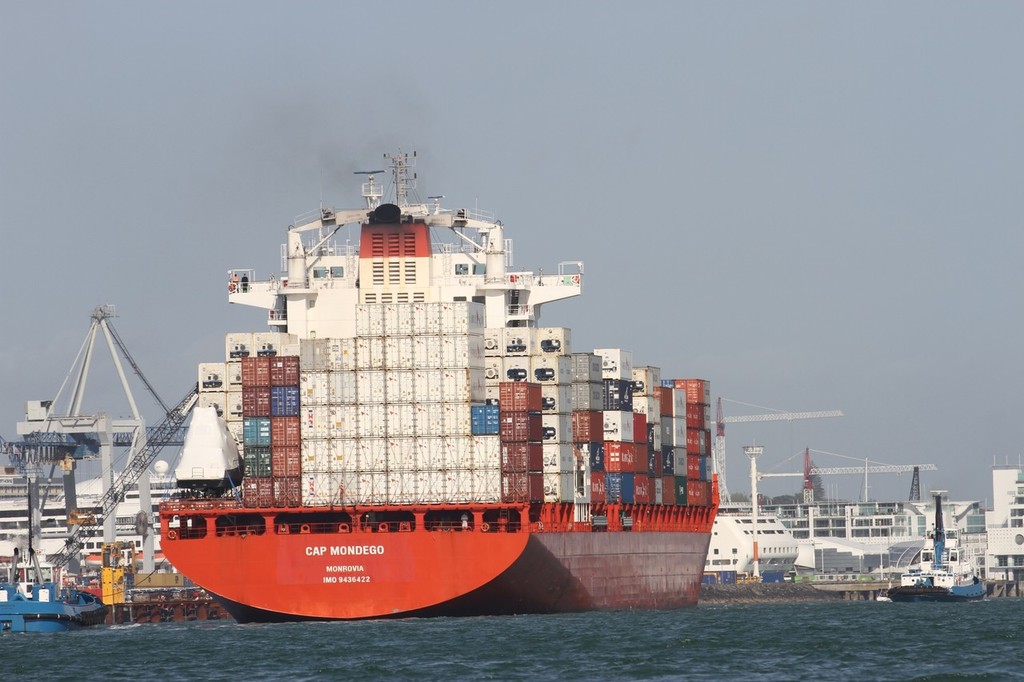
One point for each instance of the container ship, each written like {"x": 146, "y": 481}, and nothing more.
{"x": 406, "y": 440}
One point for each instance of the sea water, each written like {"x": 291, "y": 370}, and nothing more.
{"x": 770, "y": 641}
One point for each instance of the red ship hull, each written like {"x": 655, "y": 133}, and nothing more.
{"x": 261, "y": 574}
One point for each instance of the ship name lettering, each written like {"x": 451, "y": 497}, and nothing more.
{"x": 356, "y": 550}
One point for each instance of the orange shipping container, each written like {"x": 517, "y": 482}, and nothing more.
{"x": 284, "y": 370}
{"x": 285, "y": 431}
{"x": 668, "y": 490}
{"x": 587, "y": 426}
{"x": 286, "y": 461}
{"x": 639, "y": 428}
{"x": 519, "y": 396}
{"x": 619, "y": 457}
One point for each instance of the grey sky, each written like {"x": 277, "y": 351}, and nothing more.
{"x": 813, "y": 205}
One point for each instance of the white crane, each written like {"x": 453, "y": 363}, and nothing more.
{"x": 718, "y": 459}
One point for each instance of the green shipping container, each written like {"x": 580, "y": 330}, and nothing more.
{"x": 680, "y": 491}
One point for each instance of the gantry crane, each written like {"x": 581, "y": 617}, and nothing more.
{"x": 55, "y": 438}
{"x": 810, "y": 469}
{"x": 718, "y": 459}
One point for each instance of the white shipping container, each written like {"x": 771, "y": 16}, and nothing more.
{"x": 659, "y": 490}
{"x": 486, "y": 451}
{"x": 400, "y": 386}
{"x": 551, "y": 369}
{"x": 343, "y": 387}
{"x": 492, "y": 342}
{"x": 237, "y": 429}
{"x": 432, "y": 455}
{"x": 403, "y": 487}
{"x": 461, "y": 317}
{"x": 233, "y": 370}
{"x": 212, "y": 377}
{"x": 369, "y": 352}
{"x": 397, "y": 318}
{"x": 327, "y": 421}
{"x": 369, "y": 319}
{"x": 373, "y": 421}
{"x": 459, "y": 486}
{"x": 271, "y": 343}
{"x": 403, "y": 453}
{"x": 373, "y": 488}
{"x": 518, "y": 341}
{"x": 492, "y": 393}
{"x": 238, "y": 345}
{"x": 314, "y": 388}
{"x": 459, "y": 452}
{"x": 370, "y": 386}
{"x": 557, "y": 427}
{"x": 343, "y": 454}
{"x": 493, "y": 373}
{"x": 401, "y": 419}
{"x": 457, "y": 419}
{"x": 427, "y": 419}
{"x": 678, "y": 402}
{"x": 233, "y": 409}
{"x": 426, "y": 319}
{"x": 616, "y": 363}
{"x": 558, "y": 457}
{"x": 553, "y": 341}
{"x": 646, "y": 381}
{"x": 323, "y": 488}
{"x": 462, "y": 385}
{"x": 426, "y": 350}
{"x": 558, "y": 487}
{"x": 463, "y": 350}
{"x": 341, "y": 355}
{"x": 486, "y": 484}
{"x": 655, "y": 436}
{"x": 556, "y": 398}
{"x": 373, "y": 454}
{"x": 649, "y": 406}
{"x": 215, "y": 399}
{"x": 398, "y": 353}
{"x": 618, "y": 426}
{"x": 427, "y": 383}
{"x": 515, "y": 368}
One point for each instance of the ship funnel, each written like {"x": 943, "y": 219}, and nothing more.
{"x": 386, "y": 213}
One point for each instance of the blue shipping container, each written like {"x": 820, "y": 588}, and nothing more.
{"x": 668, "y": 460}
{"x": 485, "y": 420}
{"x": 773, "y": 577}
{"x": 705, "y": 470}
{"x": 596, "y": 451}
{"x": 619, "y": 488}
{"x": 727, "y": 577}
{"x": 284, "y": 401}
{"x": 256, "y": 431}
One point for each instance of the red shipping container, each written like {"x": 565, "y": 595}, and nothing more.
{"x": 522, "y": 457}
{"x": 665, "y": 394}
{"x": 519, "y": 396}
{"x": 697, "y": 441}
{"x": 522, "y": 487}
{"x": 285, "y": 431}
{"x": 521, "y": 426}
{"x": 258, "y": 491}
{"x": 288, "y": 491}
{"x": 255, "y": 401}
{"x": 697, "y": 390}
{"x": 692, "y": 467}
{"x": 668, "y": 489}
{"x": 598, "y": 490}
{"x": 285, "y": 461}
{"x": 697, "y": 416}
{"x": 639, "y": 428}
{"x": 659, "y": 464}
{"x": 284, "y": 370}
{"x": 256, "y": 372}
{"x": 587, "y": 426}
{"x": 698, "y": 493}
{"x": 619, "y": 457}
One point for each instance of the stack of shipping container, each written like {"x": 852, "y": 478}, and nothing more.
{"x": 423, "y": 405}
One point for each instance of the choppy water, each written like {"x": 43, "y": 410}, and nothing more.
{"x": 816, "y": 641}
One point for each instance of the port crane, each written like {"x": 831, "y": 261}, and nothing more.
{"x": 810, "y": 469}
{"x": 49, "y": 436}
{"x": 718, "y": 452}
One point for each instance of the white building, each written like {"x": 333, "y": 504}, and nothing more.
{"x": 1005, "y": 525}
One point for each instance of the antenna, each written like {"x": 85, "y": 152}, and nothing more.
{"x": 437, "y": 202}
{"x": 371, "y": 193}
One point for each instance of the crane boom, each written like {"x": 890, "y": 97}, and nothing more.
{"x": 162, "y": 435}
{"x": 781, "y": 416}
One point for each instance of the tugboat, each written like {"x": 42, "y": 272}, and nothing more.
{"x": 31, "y": 600}
{"x": 944, "y": 574}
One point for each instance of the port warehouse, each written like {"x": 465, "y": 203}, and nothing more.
{"x": 410, "y": 410}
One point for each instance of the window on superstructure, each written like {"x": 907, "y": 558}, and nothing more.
{"x": 403, "y": 297}
{"x": 386, "y": 298}
{"x": 409, "y": 244}
{"x": 410, "y": 272}
{"x": 371, "y": 298}
{"x": 319, "y": 273}
{"x": 394, "y": 273}
{"x": 378, "y": 273}
{"x": 417, "y": 297}
{"x": 479, "y": 269}
{"x": 337, "y": 271}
